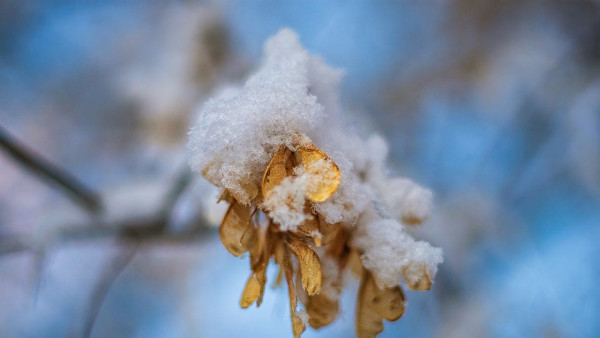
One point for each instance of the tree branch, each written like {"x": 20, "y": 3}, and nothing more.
{"x": 50, "y": 172}
{"x": 112, "y": 272}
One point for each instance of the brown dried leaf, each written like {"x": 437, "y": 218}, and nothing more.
{"x": 277, "y": 170}
{"x": 322, "y": 311}
{"x": 237, "y": 232}
{"x": 326, "y": 174}
{"x": 310, "y": 265}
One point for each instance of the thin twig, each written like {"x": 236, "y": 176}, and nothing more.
{"x": 139, "y": 229}
{"x": 113, "y": 271}
{"x": 49, "y": 171}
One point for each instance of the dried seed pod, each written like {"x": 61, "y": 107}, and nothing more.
{"x": 322, "y": 311}
{"x": 325, "y": 174}
{"x": 328, "y": 231}
{"x": 417, "y": 278}
{"x": 390, "y": 303}
{"x": 310, "y": 265}
{"x": 237, "y": 232}
{"x": 376, "y": 304}
{"x": 226, "y": 196}
{"x": 368, "y": 320}
{"x": 282, "y": 256}
{"x": 278, "y": 169}
{"x": 254, "y": 290}
{"x": 310, "y": 228}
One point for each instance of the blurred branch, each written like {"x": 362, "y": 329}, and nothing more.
{"x": 112, "y": 272}
{"x": 50, "y": 172}
{"x": 138, "y": 229}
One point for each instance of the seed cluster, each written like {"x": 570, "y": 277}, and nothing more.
{"x": 300, "y": 252}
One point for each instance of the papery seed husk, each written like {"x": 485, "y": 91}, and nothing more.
{"x": 237, "y": 231}
{"x": 326, "y": 179}
{"x": 368, "y": 320}
{"x": 322, "y": 311}
{"x": 226, "y": 196}
{"x": 421, "y": 283}
{"x": 328, "y": 231}
{"x": 254, "y": 290}
{"x": 282, "y": 256}
{"x": 277, "y": 170}
{"x": 376, "y": 304}
{"x": 310, "y": 227}
{"x": 412, "y": 220}
{"x": 390, "y": 303}
{"x": 310, "y": 265}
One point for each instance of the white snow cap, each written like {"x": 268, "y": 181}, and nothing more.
{"x": 290, "y": 100}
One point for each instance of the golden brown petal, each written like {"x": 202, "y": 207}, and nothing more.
{"x": 277, "y": 170}
{"x": 310, "y": 265}
{"x": 326, "y": 174}
{"x": 237, "y": 232}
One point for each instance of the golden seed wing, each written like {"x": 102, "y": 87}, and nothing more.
{"x": 237, "y": 232}
{"x": 422, "y": 283}
{"x": 389, "y": 302}
{"x": 276, "y": 171}
{"x": 310, "y": 265}
{"x": 368, "y": 320}
{"x": 282, "y": 255}
{"x": 326, "y": 174}
{"x": 322, "y": 311}
{"x": 253, "y": 291}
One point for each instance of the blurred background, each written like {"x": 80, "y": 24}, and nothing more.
{"x": 494, "y": 105}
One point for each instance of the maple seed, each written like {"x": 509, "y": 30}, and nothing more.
{"x": 278, "y": 169}
{"x": 321, "y": 310}
{"x": 237, "y": 232}
{"x": 310, "y": 265}
{"x": 253, "y": 291}
{"x": 376, "y": 304}
{"x": 284, "y": 260}
{"x": 325, "y": 174}
{"x": 422, "y": 283}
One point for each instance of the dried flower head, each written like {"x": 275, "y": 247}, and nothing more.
{"x": 316, "y": 213}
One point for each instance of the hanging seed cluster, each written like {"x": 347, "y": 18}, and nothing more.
{"x": 295, "y": 251}
{"x": 317, "y": 215}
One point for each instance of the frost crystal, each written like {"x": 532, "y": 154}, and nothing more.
{"x": 280, "y": 146}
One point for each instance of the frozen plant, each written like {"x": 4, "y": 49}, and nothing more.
{"x": 305, "y": 190}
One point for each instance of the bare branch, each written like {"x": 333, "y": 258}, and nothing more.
{"x": 50, "y": 172}
{"x": 108, "y": 278}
